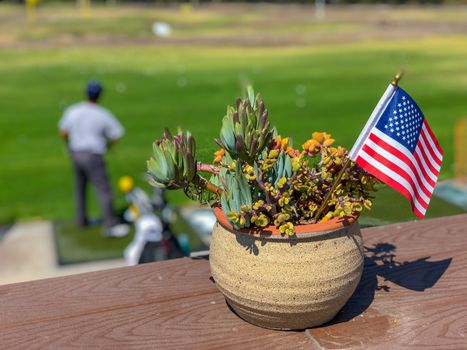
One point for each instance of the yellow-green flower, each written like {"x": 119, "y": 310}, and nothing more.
{"x": 296, "y": 163}
{"x": 273, "y": 154}
{"x": 249, "y": 172}
{"x": 260, "y": 221}
{"x": 232, "y": 216}
{"x": 244, "y": 208}
{"x": 287, "y": 228}
{"x": 281, "y": 182}
{"x": 284, "y": 200}
{"x": 242, "y": 221}
{"x": 258, "y": 204}
{"x": 281, "y": 218}
{"x": 367, "y": 204}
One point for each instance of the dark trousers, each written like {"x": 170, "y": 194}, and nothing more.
{"x": 91, "y": 167}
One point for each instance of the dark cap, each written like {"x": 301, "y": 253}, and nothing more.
{"x": 93, "y": 89}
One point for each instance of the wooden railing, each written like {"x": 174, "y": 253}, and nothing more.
{"x": 413, "y": 294}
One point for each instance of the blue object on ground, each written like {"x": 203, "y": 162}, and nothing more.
{"x": 452, "y": 192}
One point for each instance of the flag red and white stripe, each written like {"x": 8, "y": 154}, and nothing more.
{"x": 414, "y": 172}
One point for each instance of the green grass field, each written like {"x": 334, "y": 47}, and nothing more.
{"x": 331, "y": 87}
{"x": 76, "y": 245}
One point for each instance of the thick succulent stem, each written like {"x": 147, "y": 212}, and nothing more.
{"x": 269, "y": 199}
{"x": 324, "y": 204}
{"x": 207, "y": 168}
{"x": 206, "y": 185}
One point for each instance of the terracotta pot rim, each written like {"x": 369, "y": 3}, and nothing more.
{"x": 331, "y": 225}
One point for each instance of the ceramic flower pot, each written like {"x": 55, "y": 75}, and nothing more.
{"x": 280, "y": 282}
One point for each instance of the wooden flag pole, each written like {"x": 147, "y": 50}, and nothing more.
{"x": 333, "y": 188}
{"x": 338, "y": 179}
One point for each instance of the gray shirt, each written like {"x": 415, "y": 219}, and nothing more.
{"x": 89, "y": 127}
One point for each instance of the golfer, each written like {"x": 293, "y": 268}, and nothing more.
{"x": 89, "y": 130}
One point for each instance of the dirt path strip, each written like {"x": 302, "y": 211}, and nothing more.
{"x": 27, "y": 252}
{"x": 226, "y": 25}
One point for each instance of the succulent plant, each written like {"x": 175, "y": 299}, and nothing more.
{"x": 258, "y": 178}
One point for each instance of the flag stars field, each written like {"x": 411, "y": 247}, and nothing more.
{"x": 410, "y": 116}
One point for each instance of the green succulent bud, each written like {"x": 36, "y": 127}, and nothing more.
{"x": 173, "y": 164}
{"x": 282, "y": 169}
{"x": 237, "y": 194}
{"x": 245, "y": 130}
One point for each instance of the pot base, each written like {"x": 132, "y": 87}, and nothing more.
{"x": 277, "y": 321}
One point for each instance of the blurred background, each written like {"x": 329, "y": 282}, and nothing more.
{"x": 319, "y": 65}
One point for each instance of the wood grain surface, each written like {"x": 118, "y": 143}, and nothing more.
{"x": 413, "y": 295}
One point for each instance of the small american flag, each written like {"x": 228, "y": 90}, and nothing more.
{"x": 398, "y": 147}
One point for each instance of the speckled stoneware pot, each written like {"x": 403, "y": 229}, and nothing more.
{"x": 287, "y": 283}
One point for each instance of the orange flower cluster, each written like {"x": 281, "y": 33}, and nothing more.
{"x": 283, "y": 144}
{"x": 218, "y": 155}
{"x": 318, "y": 140}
